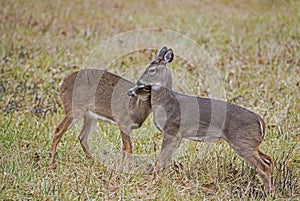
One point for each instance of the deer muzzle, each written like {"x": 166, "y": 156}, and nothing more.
{"x": 133, "y": 90}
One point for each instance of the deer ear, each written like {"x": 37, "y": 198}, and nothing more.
{"x": 162, "y": 52}
{"x": 168, "y": 57}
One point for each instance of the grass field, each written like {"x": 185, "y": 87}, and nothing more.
{"x": 255, "y": 46}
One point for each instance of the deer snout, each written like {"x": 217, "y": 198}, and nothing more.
{"x": 132, "y": 91}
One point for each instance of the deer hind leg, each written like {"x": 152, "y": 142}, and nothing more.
{"x": 268, "y": 161}
{"x": 59, "y": 131}
{"x": 89, "y": 126}
{"x": 262, "y": 163}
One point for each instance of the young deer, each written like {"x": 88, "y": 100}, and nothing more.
{"x": 96, "y": 94}
{"x": 180, "y": 116}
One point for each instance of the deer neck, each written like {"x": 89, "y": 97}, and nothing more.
{"x": 139, "y": 109}
{"x": 168, "y": 78}
{"x": 161, "y": 96}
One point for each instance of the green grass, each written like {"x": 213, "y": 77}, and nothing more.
{"x": 256, "y": 49}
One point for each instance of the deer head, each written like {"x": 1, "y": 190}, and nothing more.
{"x": 157, "y": 74}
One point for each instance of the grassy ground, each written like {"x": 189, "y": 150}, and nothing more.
{"x": 256, "y": 49}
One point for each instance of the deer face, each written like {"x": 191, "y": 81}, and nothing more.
{"x": 157, "y": 74}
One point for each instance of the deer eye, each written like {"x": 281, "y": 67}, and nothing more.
{"x": 152, "y": 70}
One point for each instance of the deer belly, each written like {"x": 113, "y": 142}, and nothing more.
{"x": 96, "y": 116}
{"x": 204, "y": 135}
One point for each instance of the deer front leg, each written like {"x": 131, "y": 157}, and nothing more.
{"x": 126, "y": 144}
{"x": 126, "y": 151}
{"x": 169, "y": 145}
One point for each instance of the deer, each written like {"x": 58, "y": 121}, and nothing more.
{"x": 94, "y": 94}
{"x": 180, "y": 116}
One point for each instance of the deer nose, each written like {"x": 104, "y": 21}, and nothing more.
{"x": 130, "y": 92}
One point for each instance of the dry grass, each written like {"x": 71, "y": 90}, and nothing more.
{"x": 256, "y": 49}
